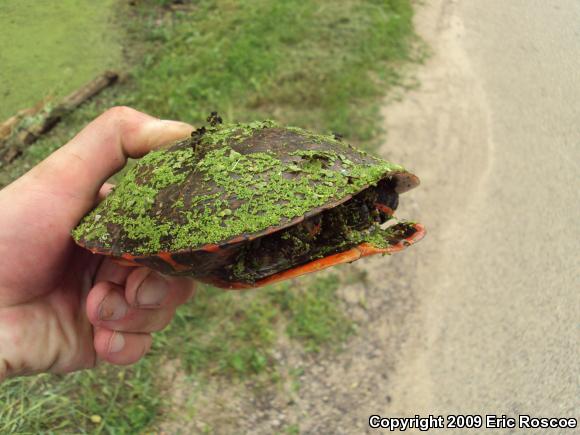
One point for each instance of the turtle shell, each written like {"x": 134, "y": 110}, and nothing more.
{"x": 207, "y": 205}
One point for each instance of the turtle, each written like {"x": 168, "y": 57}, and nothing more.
{"x": 243, "y": 205}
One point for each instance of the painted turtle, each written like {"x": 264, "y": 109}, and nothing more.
{"x": 244, "y": 205}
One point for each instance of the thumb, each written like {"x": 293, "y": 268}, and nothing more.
{"x": 78, "y": 169}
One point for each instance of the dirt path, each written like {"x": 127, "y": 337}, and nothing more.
{"x": 496, "y": 329}
{"x": 443, "y": 131}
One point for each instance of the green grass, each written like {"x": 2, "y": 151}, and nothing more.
{"x": 318, "y": 64}
{"x": 234, "y": 333}
{"x": 108, "y": 399}
{"x": 42, "y": 43}
{"x": 313, "y": 315}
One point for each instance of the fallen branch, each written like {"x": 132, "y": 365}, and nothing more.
{"x": 8, "y": 126}
{"x": 15, "y": 136}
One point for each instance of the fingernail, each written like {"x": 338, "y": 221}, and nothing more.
{"x": 177, "y": 124}
{"x": 113, "y": 307}
{"x": 176, "y": 128}
{"x": 152, "y": 291}
{"x": 117, "y": 342}
{"x": 162, "y": 133}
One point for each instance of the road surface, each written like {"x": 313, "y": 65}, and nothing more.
{"x": 494, "y": 133}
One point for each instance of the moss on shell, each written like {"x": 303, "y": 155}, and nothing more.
{"x": 246, "y": 193}
{"x": 129, "y": 203}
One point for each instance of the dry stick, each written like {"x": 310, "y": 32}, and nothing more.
{"x": 14, "y": 140}
{"x": 11, "y": 123}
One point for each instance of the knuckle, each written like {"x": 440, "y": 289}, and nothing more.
{"x": 119, "y": 116}
{"x": 119, "y": 112}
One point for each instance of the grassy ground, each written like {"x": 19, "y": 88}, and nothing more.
{"x": 52, "y": 48}
{"x": 314, "y": 63}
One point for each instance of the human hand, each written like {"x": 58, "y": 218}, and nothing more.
{"x": 61, "y": 307}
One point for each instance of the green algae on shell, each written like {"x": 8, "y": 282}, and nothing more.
{"x": 236, "y": 179}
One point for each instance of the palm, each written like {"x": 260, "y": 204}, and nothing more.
{"x": 45, "y": 269}
{"x": 61, "y": 307}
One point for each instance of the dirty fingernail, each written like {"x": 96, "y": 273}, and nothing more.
{"x": 113, "y": 307}
{"x": 152, "y": 291}
{"x": 117, "y": 342}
